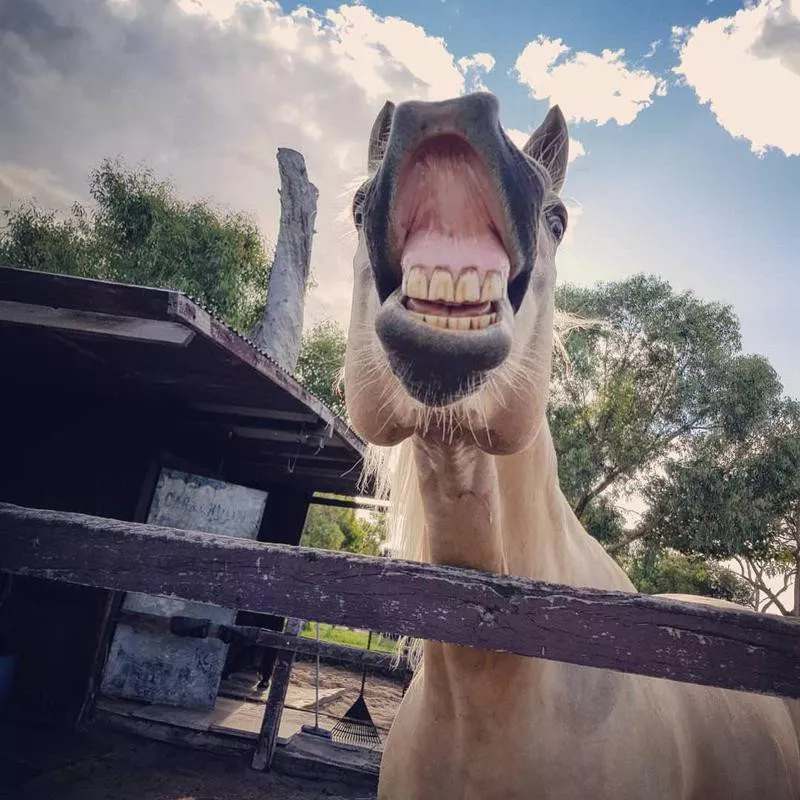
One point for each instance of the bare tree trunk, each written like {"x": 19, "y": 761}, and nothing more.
{"x": 280, "y": 330}
{"x": 796, "y": 525}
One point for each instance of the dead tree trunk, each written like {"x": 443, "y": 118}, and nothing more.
{"x": 279, "y": 336}
{"x": 279, "y": 332}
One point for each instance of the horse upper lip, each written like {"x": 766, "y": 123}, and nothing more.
{"x": 395, "y": 212}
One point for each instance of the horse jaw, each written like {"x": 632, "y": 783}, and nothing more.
{"x": 399, "y": 375}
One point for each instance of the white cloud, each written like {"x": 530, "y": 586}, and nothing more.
{"x": 588, "y": 87}
{"x": 205, "y": 91}
{"x": 746, "y": 68}
{"x": 576, "y": 148}
{"x": 652, "y": 49}
{"x": 474, "y": 67}
{"x": 40, "y": 185}
{"x": 575, "y": 211}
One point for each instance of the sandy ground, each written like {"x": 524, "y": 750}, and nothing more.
{"x": 381, "y": 694}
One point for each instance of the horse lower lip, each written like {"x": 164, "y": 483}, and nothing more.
{"x": 435, "y": 362}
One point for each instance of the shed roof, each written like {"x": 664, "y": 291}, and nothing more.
{"x": 61, "y": 333}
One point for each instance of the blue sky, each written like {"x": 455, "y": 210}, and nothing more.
{"x": 673, "y": 192}
{"x": 704, "y": 194}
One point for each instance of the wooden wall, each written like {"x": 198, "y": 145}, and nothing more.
{"x": 72, "y": 454}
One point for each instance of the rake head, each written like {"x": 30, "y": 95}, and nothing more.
{"x": 356, "y": 726}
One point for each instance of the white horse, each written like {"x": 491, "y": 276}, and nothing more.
{"x": 447, "y": 376}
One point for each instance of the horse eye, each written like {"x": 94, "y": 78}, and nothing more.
{"x": 557, "y": 226}
{"x": 358, "y": 206}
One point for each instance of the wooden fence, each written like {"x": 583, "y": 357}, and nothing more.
{"x": 630, "y": 633}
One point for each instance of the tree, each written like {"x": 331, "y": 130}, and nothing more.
{"x": 322, "y": 529}
{"x": 321, "y": 362}
{"x": 140, "y": 232}
{"x": 661, "y": 368}
{"x": 739, "y": 499}
{"x": 333, "y": 528}
{"x": 669, "y": 572}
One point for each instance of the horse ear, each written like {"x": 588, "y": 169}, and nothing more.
{"x": 549, "y": 145}
{"x": 379, "y": 136}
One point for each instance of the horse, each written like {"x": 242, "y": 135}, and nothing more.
{"x": 447, "y": 373}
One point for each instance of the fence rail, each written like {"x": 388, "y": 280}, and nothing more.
{"x": 625, "y": 632}
{"x": 197, "y": 628}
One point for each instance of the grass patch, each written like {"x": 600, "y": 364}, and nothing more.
{"x": 353, "y": 637}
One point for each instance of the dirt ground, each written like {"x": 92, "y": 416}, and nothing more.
{"x": 111, "y": 766}
{"x": 382, "y": 694}
{"x": 106, "y": 765}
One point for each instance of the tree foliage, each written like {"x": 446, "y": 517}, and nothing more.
{"x": 661, "y": 368}
{"x": 731, "y": 498}
{"x": 333, "y": 528}
{"x": 670, "y": 572}
{"x": 139, "y": 231}
{"x": 320, "y": 364}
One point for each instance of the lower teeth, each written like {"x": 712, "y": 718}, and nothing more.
{"x": 456, "y": 323}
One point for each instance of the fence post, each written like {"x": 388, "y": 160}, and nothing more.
{"x": 278, "y": 685}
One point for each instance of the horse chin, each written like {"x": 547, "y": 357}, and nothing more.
{"x": 440, "y": 366}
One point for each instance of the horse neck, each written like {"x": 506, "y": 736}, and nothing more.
{"x": 502, "y": 514}
{"x": 507, "y": 515}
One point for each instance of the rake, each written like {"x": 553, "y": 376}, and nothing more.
{"x": 356, "y": 726}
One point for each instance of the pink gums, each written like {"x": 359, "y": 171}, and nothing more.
{"x": 448, "y": 213}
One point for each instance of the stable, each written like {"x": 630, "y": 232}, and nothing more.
{"x": 136, "y": 404}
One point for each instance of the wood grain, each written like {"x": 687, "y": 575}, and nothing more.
{"x": 625, "y": 632}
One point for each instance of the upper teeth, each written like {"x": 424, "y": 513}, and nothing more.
{"x": 442, "y": 287}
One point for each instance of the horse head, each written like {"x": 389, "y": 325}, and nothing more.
{"x": 452, "y": 312}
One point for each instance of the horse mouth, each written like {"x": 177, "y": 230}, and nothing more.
{"x": 446, "y": 322}
{"x": 450, "y": 231}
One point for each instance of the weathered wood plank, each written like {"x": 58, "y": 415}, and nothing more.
{"x": 309, "y": 647}
{"x": 279, "y": 683}
{"x": 227, "y": 743}
{"x": 68, "y": 291}
{"x": 263, "y": 637}
{"x": 183, "y": 309}
{"x": 625, "y": 632}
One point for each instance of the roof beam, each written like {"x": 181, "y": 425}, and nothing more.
{"x": 114, "y": 325}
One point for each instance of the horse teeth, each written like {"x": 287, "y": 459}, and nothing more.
{"x": 441, "y": 286}
{"x": 492, "y": 286}
{"x": 456, "y": 323}
{"x": 436, "y": 320}
{"x": 468, "y": 287}
{"x": 415, "y": 283}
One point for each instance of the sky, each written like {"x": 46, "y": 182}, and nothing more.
{"x": 684, "y": 118}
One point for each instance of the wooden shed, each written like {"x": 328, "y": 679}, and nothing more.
{"x": 136, "y": 404}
